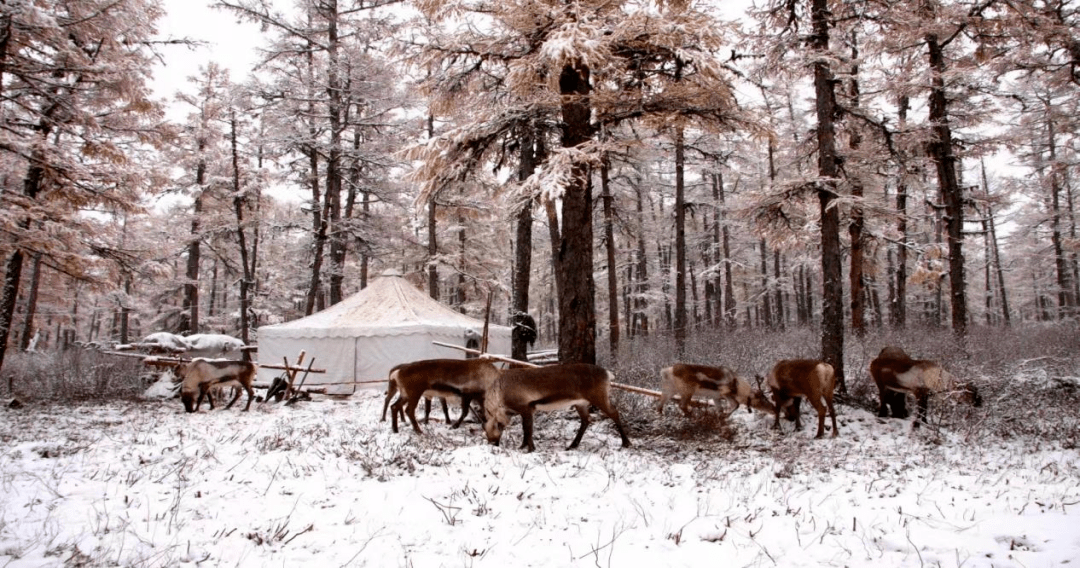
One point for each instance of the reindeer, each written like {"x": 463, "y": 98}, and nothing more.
{"x": 525, "y": 390}
{"x": 466, "y": 379}
{"x": 392, "y": 389}
{"x": 200, "y": 375}
{"x": 814, "y": 380}
{"x": 897, "y": 374}
{"x": 718, "y": 383}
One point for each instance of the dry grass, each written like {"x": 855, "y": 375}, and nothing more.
{"x": 72, "y": 375}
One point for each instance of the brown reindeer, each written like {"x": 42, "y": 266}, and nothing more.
{"x": 392, "y": 389}
{"x": 554, "y": 387}
{"x": 718, "y": 383}
{"x": 200, "y": 375}
{"x": 466, "y": 379}
{"x": 814, "y": 380}
{"x": 896, "y": 375}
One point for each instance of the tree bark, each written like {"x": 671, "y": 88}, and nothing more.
{"x": 1065, "y": 297}
{"x": 319, "y": 228}
{"x": 729, "y": 286}
{"x": 680, "y": 322}
{"x": 334, "y": 108}
{"x": 238, "y": 207}
{"x": 832, "y": 316}
{"x": 574, "y": 269}
{"x": 778, "y": 292}
{"x": 766, "y": 293}
{"x": 641, "y": 270}
{"x": 858, "y": 222}
{"x": 941, "y": 152}
{"x": 523, "y": 247}
{"x": 899, "y": 308}
{"x": 612, "y": 269}
{"x": 31, "y": 303}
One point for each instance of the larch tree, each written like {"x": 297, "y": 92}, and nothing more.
{"x": 312, "y": 91}
{"x": 788, "y": 18}
{"x": 201, "y": 135}
{"x": 586, "y": 63}
{"x": 75, "y": 112}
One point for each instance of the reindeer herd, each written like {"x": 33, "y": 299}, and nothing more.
{"x": 524, "y": 391}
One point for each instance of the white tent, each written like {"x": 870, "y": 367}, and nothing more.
{"x": 365, "y": 335}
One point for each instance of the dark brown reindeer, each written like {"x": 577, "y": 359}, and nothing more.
{"x": 392, "y": 389}
{"x": 896, "y": 375}
{"x": 814, "y": 380}
{"x": 525, "y": 391}
{"x": 466, "y": 379}
{"x": 718, "y": 383}
{"x": 200, "y": 375}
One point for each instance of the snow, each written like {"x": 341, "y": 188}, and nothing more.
{"x": 324, "y": 482}
{"x": 213, "y": 345}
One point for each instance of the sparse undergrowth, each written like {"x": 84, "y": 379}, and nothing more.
{"x": 73, "y": 375}
{"x": 1029, "y": 377}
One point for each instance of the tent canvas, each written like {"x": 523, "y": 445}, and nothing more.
{"x": 365, "y": 335}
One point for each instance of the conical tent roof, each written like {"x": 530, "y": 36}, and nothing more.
{"x": 390, "y": 305}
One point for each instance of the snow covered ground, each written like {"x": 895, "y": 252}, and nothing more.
{"x": 324, "y": 482}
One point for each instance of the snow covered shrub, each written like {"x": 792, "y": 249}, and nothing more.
{"x": 73, "y": 374}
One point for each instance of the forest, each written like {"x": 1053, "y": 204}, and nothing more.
{"x": 652, "y": 182}
{"x": 623, "y": 172}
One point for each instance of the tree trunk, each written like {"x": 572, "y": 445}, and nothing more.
{"x": 519, "y": 348}
{"x": 319, "y": 228}
{"x": 766, "y": 293}
{"x": 432, "y": 242}
{"x": 191, "y": 287}
{"x": 680, "y": 246}
{"x": 641, "y": 270}
{"x": 1065, "y": 297}
{"x": 334, "y": 107}
{"x": 832, "y": 315}
{"x": 574, "y": 269}
{"x": 612, "y": 269}
{"x": 778, "y": 293}
{"x": 858, "y": 223}
{"x": 31, "y": 302}
{"x": 941, "y": 151}
{"x": 365, "y": 207}
{"x": 899, "y": 308}
{"x": 238, "y": 207}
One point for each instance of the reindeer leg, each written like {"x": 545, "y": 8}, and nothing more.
{"x": 446, "y": 410}
{"x": 923, "y": 397}
{"x": 427, "y": 409}
{"x": 410, "y": 411}
{"x": 251, "y": 396}
{"x": 466, "y": 405}
{"x": 236, "y": 397}
{"x": 527, "y": 431}
{"x": 583, "y": 412}
{"x": 611, "y": 412}
{"x": 820, "y": 408}
{"x": 395, "y": 411}
{"x": 899, "y": 405}
{"x": 390, "y": 392}
{"x": 204, "y": 392}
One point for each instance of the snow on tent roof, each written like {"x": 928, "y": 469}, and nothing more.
{"x": 390, "y": 305}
